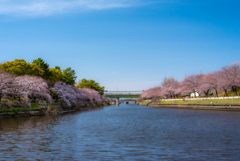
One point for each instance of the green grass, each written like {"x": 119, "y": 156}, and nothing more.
{"x": 205, "y": 101}
{"x": 34, "y": 106}
{"x": 229, "y": 93}
{"x": 145, "y": 101}
{"x": 51, "y": 108}
{"x": 18, "y": 109}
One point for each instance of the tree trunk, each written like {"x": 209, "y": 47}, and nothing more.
{"x": 0, "y": 100}
{"x": 216, "y": 93}
{"x": 205, "y": 93}
{"x": 233, "y": 91}
{"x": 28, "y": 101}
{"x": 225, "y": 92}
{"x": 19, "y": 99}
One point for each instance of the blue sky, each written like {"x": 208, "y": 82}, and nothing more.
{"x": 127, "y": 44}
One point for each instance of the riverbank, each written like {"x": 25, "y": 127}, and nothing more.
{"x": 215, "y": 100}
{"x": 229, "y": 107}
{"x": 15, "y": 112}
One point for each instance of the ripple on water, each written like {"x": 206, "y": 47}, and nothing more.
{"x": 127, "y": 132}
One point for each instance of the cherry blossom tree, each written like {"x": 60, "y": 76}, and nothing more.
{"x": 73, "y": 95}
{"x": 93, "y": 95}
{"x": 223, "y": 84}
{"x": 144, "y": 94}
{"x": 150, "y": 93}
{"x": 209, "y": 82}
{"x": 13, "y": 91}
{"x": 212, "y": 79}
{"x": 65, "y": 92}
{"x": 179, "y": 90}
{"x": 105, "y": 99}
{"x": 5, "y": 84}
{"x": 170, "y": 90}
{"x": 191, "y": 84}
{"x": 32, "y": 86}
{"x": 204, "y": 85}
{"x": 82, "y": 96}
{"x": 230, "y": 77}
{"x": 168, "y": 80}
{"x": 224, "y": 80}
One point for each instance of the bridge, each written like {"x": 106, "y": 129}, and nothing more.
{"x": 122, "y": 94}
{"x": 127, "y": 101}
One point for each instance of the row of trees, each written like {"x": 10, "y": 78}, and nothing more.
{"x": 36, "y": 88}
{"x": 36, "y": 81}
{"x": 224, "y": 80}
{"x": 40, "y": 68}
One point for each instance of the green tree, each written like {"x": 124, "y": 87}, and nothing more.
{"x": 56, "y": 74}
{"x": 21, "y": 67}
{"x": 69, "y": 76}
{"x": 44, "y": 66}
{"x": 58, "y": 67}
{"x": 84, "y": 83}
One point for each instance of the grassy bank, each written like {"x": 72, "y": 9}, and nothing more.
{"x": 204, "y": 101}
{"x": 9, "y": 105}
{"x": 145, "y": 102}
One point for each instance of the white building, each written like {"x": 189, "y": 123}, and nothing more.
{"x": 193, "y": 95}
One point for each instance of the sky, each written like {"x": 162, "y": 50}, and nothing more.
{"x": 123, "y": 44}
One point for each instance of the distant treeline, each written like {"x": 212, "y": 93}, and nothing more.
{"x": 225, "y": 80}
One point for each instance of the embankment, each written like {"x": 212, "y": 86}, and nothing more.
{"x": 230, "y": 107}
{"x": 45, "y": 111}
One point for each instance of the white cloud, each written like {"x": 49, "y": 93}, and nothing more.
{"x": 49, "y": 7}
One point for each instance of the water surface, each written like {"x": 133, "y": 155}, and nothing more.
{"x": 127, "y": 132}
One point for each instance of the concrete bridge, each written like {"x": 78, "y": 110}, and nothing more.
{"x": 127, "y": 101}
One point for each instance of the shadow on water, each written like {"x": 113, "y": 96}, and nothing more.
{"x": 31, "y": 122}
{"x": 129, "y": 132}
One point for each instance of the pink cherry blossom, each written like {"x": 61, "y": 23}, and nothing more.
{"x": 32, "y": 86}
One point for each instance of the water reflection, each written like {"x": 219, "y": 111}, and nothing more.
{"x": 127, "y": 132}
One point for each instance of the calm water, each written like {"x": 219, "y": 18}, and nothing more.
{"x": 127, "y": 132}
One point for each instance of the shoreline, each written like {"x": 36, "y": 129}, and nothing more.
{"x": 43, "y": 112}
{"x": 219, "y": 107}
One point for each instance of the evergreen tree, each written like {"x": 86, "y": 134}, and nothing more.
{"x": 69, "y": 76}
{"x": 44, "y": 66}
{"x": 84, "y": 83}
{"x": 20, "y": 67}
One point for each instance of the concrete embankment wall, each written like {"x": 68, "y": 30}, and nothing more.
{"x": 231, "y": 107}
{"x": 43, "y": 111}
{"x": 23, "y": 113}
{"x": 38, "y": 112}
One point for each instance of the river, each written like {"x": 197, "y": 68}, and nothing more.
{"x": 127, "y": 132}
